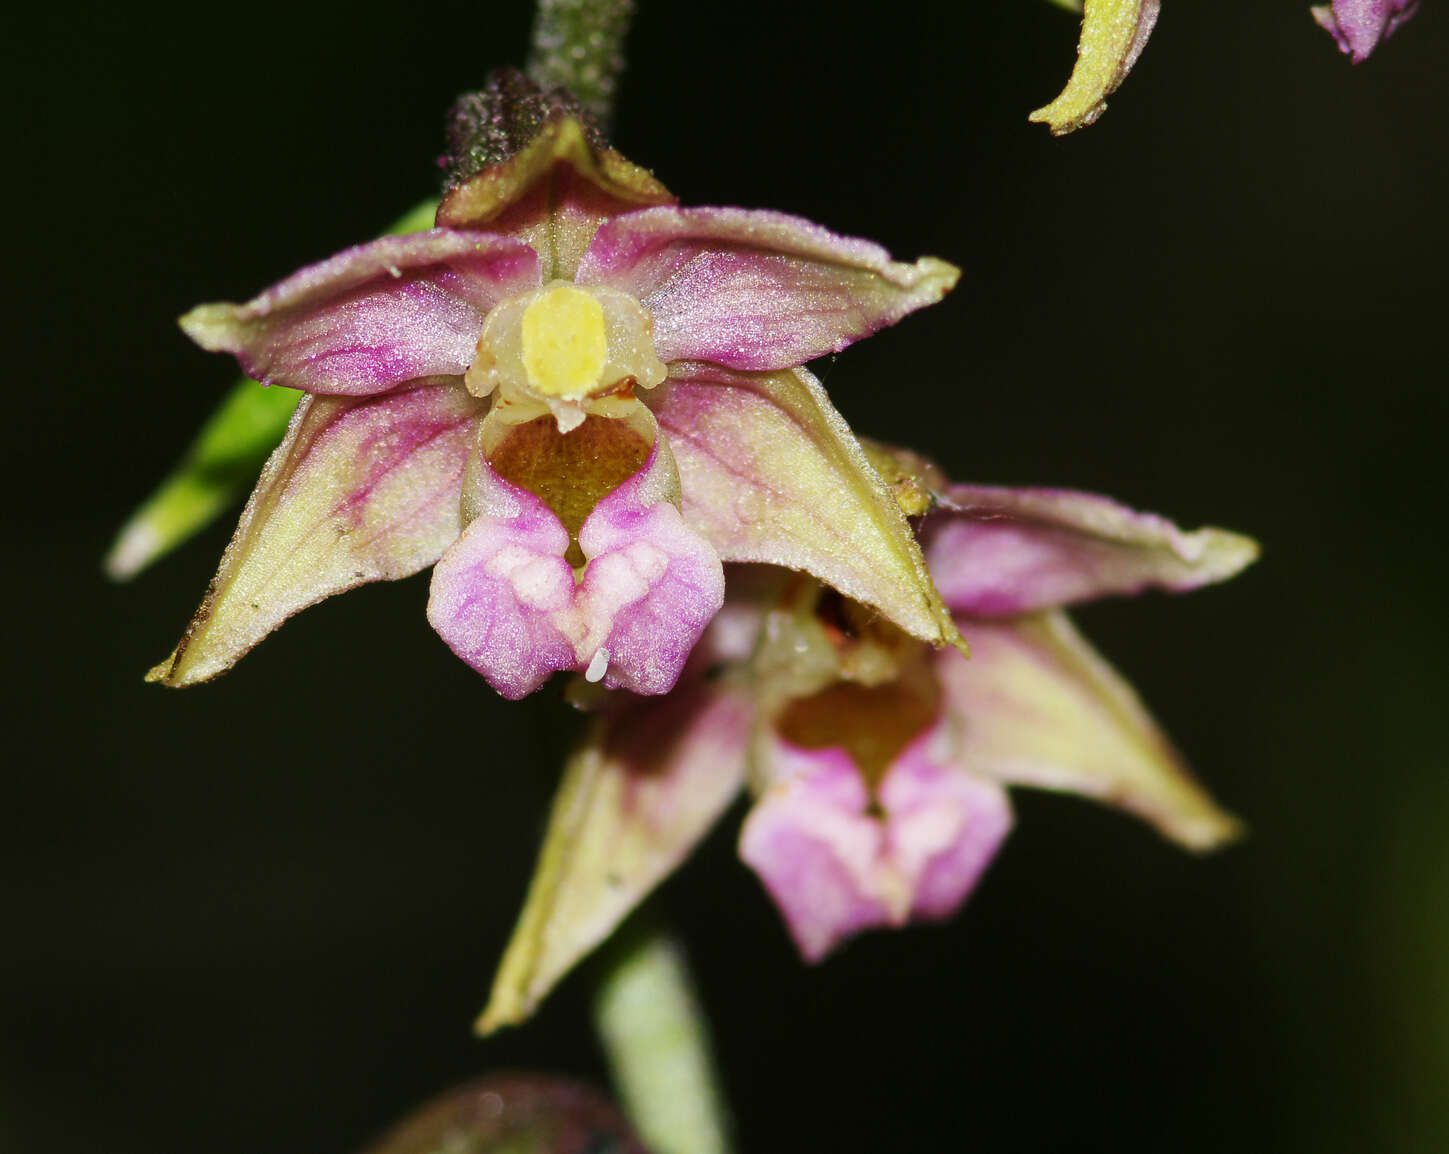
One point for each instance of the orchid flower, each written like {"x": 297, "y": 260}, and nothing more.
{"x": 575, "y": 400}
{"x": 1359, "y": 25}
{"x": 879, "y": 766}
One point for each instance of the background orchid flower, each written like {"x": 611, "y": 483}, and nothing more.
{"x": 879, "y": 766}
{"x": 1359, "y": 25}
{"x": 576, "y": 399}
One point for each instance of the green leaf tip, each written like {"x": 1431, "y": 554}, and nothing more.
{"x": 215, "y": 472}
{"x": 222, "y": 462}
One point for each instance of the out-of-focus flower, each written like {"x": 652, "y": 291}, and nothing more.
{"x": 513, "y": 1114}
{"x": 575, "y": 399}
{"x": 1114, "y": 32}
{"x": 878, "y": 765}
{"x": 1359, "y": 25}
{"x": 881, "y": 772}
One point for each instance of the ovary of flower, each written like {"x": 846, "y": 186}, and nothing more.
{"x": 564, "y": 349}
{"x": 538, "y": 581}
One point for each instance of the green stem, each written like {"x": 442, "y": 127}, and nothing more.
{"x": 657, "y": 1045}
{"x": 579, "y": 45}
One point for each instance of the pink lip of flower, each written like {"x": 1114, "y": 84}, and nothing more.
{"x": 1360, "y": 25}
{"x": 846, "y": 840}
{"x": 839, "y": 856}
{"x": 564, "y": 284}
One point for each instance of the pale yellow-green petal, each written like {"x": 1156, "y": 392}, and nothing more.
{"x": 362, "y": 489}
{"x": 1038, "y": 706}
{"x": 771, "y": 473}
{"x": 1114, "y": 33}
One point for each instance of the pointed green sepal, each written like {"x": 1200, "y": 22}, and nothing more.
{"x": 636, "y": 797}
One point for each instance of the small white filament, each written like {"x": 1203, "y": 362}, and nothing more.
{"x": 598, "y": 666}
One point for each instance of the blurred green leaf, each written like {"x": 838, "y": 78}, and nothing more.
{"x": 223, "y": 461}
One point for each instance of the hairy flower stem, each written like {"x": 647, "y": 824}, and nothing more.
{"x": 657, "y": 1044}
{"x": 579, "y": 45}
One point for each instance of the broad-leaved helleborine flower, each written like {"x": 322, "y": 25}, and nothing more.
{"x": 575, "y": 399}
{"x": 878, "y": 764}
{"x": 1359, "y": 25}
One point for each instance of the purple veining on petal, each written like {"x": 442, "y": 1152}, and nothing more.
{"x": 362, "y": 489}
{"x": 1360, "y": 25}
{"x": 770, "y": 472}
{"x": 498, "y": 591}
{"x": 651, "y": 586}
{"x": 373, "y": 316}
{"x": 755, "y": 290}
{"x": 836, "y": 864}
{"x": 996, "y": 551}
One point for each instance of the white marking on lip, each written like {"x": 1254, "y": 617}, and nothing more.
{"x": 598, "y": 666}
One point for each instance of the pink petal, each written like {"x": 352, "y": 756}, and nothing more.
{"x": 755, "y": 290}
{"x": 1360, "y": 25}
{"x": 360, "y": 490}
{"x": 995, "y": 551}
{"x": 373, "y": 316}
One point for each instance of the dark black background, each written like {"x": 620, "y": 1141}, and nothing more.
{"x": 260, "y": 915}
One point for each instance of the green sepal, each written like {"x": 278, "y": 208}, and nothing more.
{"x": 1114, "y": 32}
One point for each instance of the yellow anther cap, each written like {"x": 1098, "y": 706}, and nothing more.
{"x": 565, "y": 342}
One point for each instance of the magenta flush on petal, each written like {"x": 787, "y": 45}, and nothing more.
{"x": 838, "y": 859}
{"x": 755, "y": 290}
{"x": 1360, "y": 25}
{"x": 374, "y": 316}
{"x": 995, "y": 550}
